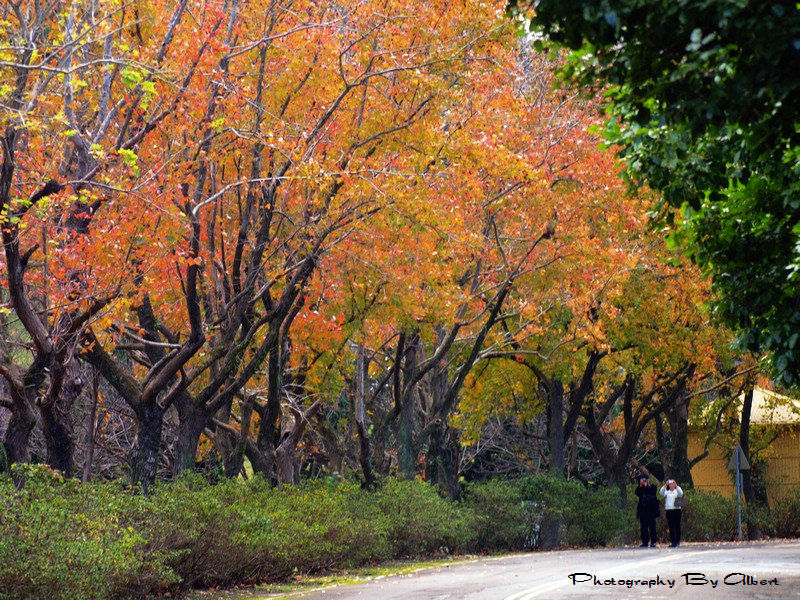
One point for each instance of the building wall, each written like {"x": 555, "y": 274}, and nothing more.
{"x": 783, "y": 465}
{"x": 711, "y": 473}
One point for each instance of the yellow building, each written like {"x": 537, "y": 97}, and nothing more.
{"x": 781, "y": 416}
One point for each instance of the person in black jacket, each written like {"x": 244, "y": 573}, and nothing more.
{"x": 647, "y": 511}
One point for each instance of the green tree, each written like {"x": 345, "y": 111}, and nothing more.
{"x": 704, "y": 106}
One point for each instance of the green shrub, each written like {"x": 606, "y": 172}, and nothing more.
{"x": 759, "y": 515}
{"x": 707, "y": 516}
{"x": 188, "y": 523}
{"x": 500, "y": 517}
{"x": 58, "y": 535}
{"x": 104, "y": 540}
{"x": 596, "y": 519}
{"x": 420, "y": 521}
{"x": 585, "y": 517}
{"x": 319, "y": 526}
{"x": 785, "y": 516}
{"x": 245, "y": 532}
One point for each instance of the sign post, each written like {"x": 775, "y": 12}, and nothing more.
{"x": 738, "y": 462}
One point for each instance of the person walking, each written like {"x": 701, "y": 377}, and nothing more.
{"x": 647, "y": 510}
{"x": 671, "y": 492}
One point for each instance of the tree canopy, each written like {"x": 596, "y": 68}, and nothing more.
{"x": 309, "y": 238}
{"x": 704, "y": 103}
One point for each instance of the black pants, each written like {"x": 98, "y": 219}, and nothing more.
{"x": 674, "y": 522}
{"x": 648, "y": 527}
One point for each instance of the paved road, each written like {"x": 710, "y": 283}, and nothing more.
{"x": 707, "y": 571}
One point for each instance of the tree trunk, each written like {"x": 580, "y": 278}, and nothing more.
{"x": 406, "y": 453}
{"x": 56, "y": 415}
{"x": 360, "y": 412}
{"x": 235, "y": 460}
{"x": 753, "y": 529}
{"x": 23, "y": 394}
{"x": 363, "y": 457}
{"x": 621, "y": 483}
{"x": 147, "y": 449}
{"x": 612, "y": 460}
{"x": 18, "y": 435}
{"x": 334, "y": 455}
{"x": 260, "y": 462}
{"x": 285, "y": 461}
{"x": 441, "y": 466}
{"x": 91, "y": 428}
{"x": 264, "y": 462}
{"x": 678, "y": 420}
{"x": 269, "y": 429}
{"x": 555, "y": 427}
{"x": 192, "y": 421}
{"x": 551, "y": 524}
{"x": 664, "y": 455}
{"x": 57, "y": 430}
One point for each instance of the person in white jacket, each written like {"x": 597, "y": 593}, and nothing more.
{"x": 671, "y": 492}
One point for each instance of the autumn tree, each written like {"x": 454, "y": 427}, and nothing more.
{"x": 316, "y": 121}
{"x": 624, "y": 340}
{"x": 74, "y": 113}
{"x": 508, "y": 212}
{"x": 298, "y": 225}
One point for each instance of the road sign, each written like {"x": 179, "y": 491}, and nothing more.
{"x": 738, "y": 463}
{"x": 743, "y": 464}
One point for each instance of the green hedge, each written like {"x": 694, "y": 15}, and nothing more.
{"x": 59, "y": 538}
{"x": 103, "y": 540}
{"x": 510, "y": 515}
{"x": 707, "y": 516}
{"x": 783, "y": 520}
{"x": 419, "y": 521}
{"x": 500, "y": 516}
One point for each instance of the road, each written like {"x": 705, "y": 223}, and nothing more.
{"x": 709, "y": 571}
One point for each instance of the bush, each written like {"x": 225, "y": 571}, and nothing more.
{"x": 59, "y": 535}
{"x": 500, "y": 517}
{"x": 190, "y": 523}
{"x": 316, "y": 527}
{"x": 248, "y": 532}
{"x": 596, "y": 519}
{"x": 785, "y": 516}
{"x": 104, "y": 540}
{"x": 420, "y": 521}
{"x": 708, "y": 516}
{"x": 585, "y": 517}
